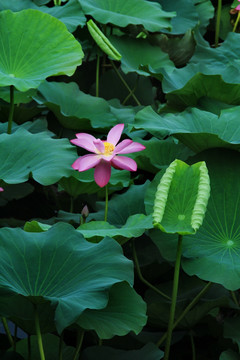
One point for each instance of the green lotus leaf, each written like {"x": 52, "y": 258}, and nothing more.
{"x": 208, "y": 61}
{"x": 60, "y": 267}
{"x": 229, "y": 355}
{"x": 73, "y": 108}
{"x": 135, "y": 226}
{"x": 102, "y": 41}
{"x": 231, "y": 330}
{"x": 35, "y": 226}
{"x": 216, "y": 244}
{"x": 50, "y": 344}
{"x": 70, "y": 14}
{"x": 160, "y": 153}
{"x": 197, "y": 129}
{"x": 23, "y": 154}
{"x": 84, "y": 183}
{"x": 38, "y": 46}
{"x": 125, "y": 312}
{"x": 181, "y": 198}
{"x": 189, "y": 14}
{"x": 192, "y": 92}
{"x": 179, "y": 49}
{"x": 138, "y": 52}
{"x": 122, "y": 13}
{"x": 149, "y": 352}
{"x": 121, "y": 206}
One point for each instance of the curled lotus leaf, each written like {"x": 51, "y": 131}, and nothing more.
{"x": 181, "y": 198}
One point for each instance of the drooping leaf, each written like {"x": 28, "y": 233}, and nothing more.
{"x": 122, "y": 13}
{"x": 125, "y": 312}
{"x": 52, "y": 50}
{"x": 75, "y": 109}
{"x": 181, "y": 198}
{"x": 24, "y": 157}
{"x": 62, "y": 271}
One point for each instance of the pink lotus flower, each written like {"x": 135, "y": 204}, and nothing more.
{"x": 237, "y": 7}
{"x": 106, "y": 154}
{"x": 1, "y": 189}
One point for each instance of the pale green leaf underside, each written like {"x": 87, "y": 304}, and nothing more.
{"x": 75, "y": 109}
{"x": 34, "y": 46}
{"x": 122, "y": 13}
{"x": 61, "y": 267}
{"x": 197, "y": 129}
{"x": 23, "y": 153}
{"x": 181, "y": 198}
{"x": 125, "y": 312}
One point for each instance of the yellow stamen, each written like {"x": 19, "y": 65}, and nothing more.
{"x": 108, "y": 148}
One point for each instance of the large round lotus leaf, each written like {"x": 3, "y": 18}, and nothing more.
{"x": 125, "y": 312}
{"x": 75, "y": 109}
{"x": 197, "y": 129}
{"x": 122, "y": 13}
{"x": 46, "y": 159}
{"x": 60, "y": 267}
{"x": 34, "y": 46}
{"x": 70, "y": 14}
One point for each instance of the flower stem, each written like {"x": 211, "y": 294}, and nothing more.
{"x": 141, "y": 276}
{"x": 11, "y": 111}
{"x": 60, "y": 351}
{"x": 97, "y": 75}
{"x": 7, "y": 331}
{"x": 174, "y": 297}
{"x": 71, "y": 204}
{"x": 125, "y": 83}
{"x": 106, "y": 203}
{"x": 187, "y": 309}
{"x": 236, "y": 22}
{"x": 79, "y": 344}
{"x": 193, "y": 346}
{"x": 29, "y": 347}
{"x": 219, "y": 10}
{"x": 39, "y": 335}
